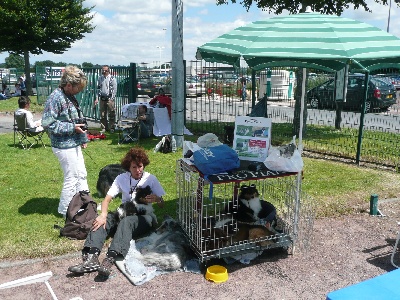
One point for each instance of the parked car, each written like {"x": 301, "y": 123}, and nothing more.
{"x": 395, "y": 79}
{"x": 10, "y": 79}
{"x": 147, "y": 86}
{"x": 381, "y": 94}
{"x": 193, "y": 87}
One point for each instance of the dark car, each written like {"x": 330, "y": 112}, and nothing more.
{"x": 395, "y": 79}
{"x": 381, "y": 94}
{"x": 144, "y": 85}
{"x": 147, "y": 86}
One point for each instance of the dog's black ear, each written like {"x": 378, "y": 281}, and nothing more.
{"x": 148, "y": 189}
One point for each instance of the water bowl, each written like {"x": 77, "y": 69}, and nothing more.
{"x": 217, "y": 274}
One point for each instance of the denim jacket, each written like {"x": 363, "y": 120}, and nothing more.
{"x": 58, "y": 119}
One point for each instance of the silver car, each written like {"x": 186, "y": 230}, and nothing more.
{"x": 193, "y": 87}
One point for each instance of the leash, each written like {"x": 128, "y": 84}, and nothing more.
{"x": 87, "y": 153}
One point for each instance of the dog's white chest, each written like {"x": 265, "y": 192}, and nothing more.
{"x": 254, "y": 204}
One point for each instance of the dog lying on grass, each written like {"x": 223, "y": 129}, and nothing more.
{"x": 106, "y": 178}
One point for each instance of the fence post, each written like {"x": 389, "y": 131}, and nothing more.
{"x": 253, "y": 88}
{"x": 361, "y": 128}
{"x": 269, "y": 83}
{"x": 132, "y": 90}
{"x": 373, "y": 205}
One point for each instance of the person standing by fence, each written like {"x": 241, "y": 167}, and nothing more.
{"x": 22, "y": 82}
{"x": 107, "y": 90}
{"x": 243, "y": 81}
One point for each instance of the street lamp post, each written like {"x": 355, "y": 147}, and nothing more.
{"x": 165, "y": 46}
{"x": 160, "y": 47}
{"x": 390, "y": 8}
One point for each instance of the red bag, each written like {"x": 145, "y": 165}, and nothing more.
{"x": 95, "y": 135}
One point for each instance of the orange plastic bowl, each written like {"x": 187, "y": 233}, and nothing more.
{"x": 217, "y": 274}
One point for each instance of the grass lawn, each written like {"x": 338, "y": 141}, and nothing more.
{"x": 31, "y": 183}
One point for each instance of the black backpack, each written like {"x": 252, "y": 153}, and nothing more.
{"x": 166, "y": 145}
{"x": 81, "y": 213}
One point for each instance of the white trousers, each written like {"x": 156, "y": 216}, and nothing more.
{"x": 75, "y": 175}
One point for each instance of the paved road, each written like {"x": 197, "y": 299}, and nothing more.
{"x": 7, "y": 121}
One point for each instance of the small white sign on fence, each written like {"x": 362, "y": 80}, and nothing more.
{"x": 252, "y": 138}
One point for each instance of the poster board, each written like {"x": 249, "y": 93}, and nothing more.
{"x": 252, "y": 138}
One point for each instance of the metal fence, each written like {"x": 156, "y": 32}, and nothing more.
{"x": 324, "y": 134}
{"x": 221, "y": 100}
{"x": 47, "y": 79}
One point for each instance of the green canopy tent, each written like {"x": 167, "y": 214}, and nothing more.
{"x": 306, "y": 40}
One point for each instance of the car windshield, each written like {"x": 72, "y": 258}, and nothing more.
{"x": 381, "y": 82}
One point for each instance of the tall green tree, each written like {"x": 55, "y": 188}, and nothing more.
{"x": 33, "y": 26}
{"x": 87, "y": 65}
{"x": 14, "y": 61}
{"x": 329, "y": 7}
{"x": 44, "y": 63}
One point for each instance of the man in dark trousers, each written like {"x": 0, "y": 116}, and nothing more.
{"x": 107, "y": 90}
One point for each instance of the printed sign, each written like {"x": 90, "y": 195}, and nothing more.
{"x": 340, "y": 85}
{"x": 54, "y": 73}
{"x": 252, "y": 138}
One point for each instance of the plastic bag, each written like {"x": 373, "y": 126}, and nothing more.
{"x": 284, "y": 158}
{"x": 189, "y": 148}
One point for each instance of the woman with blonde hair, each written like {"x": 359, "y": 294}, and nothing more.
{"x": 62, "y": 118}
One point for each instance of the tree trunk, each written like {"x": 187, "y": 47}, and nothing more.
{"x": 27, "y": 70}
{"x": 297, "y": 106}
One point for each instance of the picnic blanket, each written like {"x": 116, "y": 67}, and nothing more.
{"x": 138, "y": 273}
{"x": 165, "y": 250}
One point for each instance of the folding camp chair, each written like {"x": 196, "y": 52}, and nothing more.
{"x": 27, "y": 137}
{"x": 128, "y": 131}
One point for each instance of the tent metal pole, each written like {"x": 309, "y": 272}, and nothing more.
{"x": 362, "y": 116}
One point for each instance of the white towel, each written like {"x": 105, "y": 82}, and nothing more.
{"x": 162, "y": 123}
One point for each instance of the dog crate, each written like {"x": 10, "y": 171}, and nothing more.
{"x": 213, "y": 232}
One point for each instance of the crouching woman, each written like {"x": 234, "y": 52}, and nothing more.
{"x": 130, "y": 227}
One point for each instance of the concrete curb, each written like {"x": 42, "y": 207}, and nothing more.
{"x": 9, "y": 264}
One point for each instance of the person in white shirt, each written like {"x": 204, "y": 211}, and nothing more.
{"x": 24, "y": 103}
{"x": 128, "y": 228}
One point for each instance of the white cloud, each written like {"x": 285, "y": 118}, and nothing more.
{"x": 130, "y": 31}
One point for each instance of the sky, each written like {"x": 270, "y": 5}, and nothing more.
{"x": 140, "y": 31}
